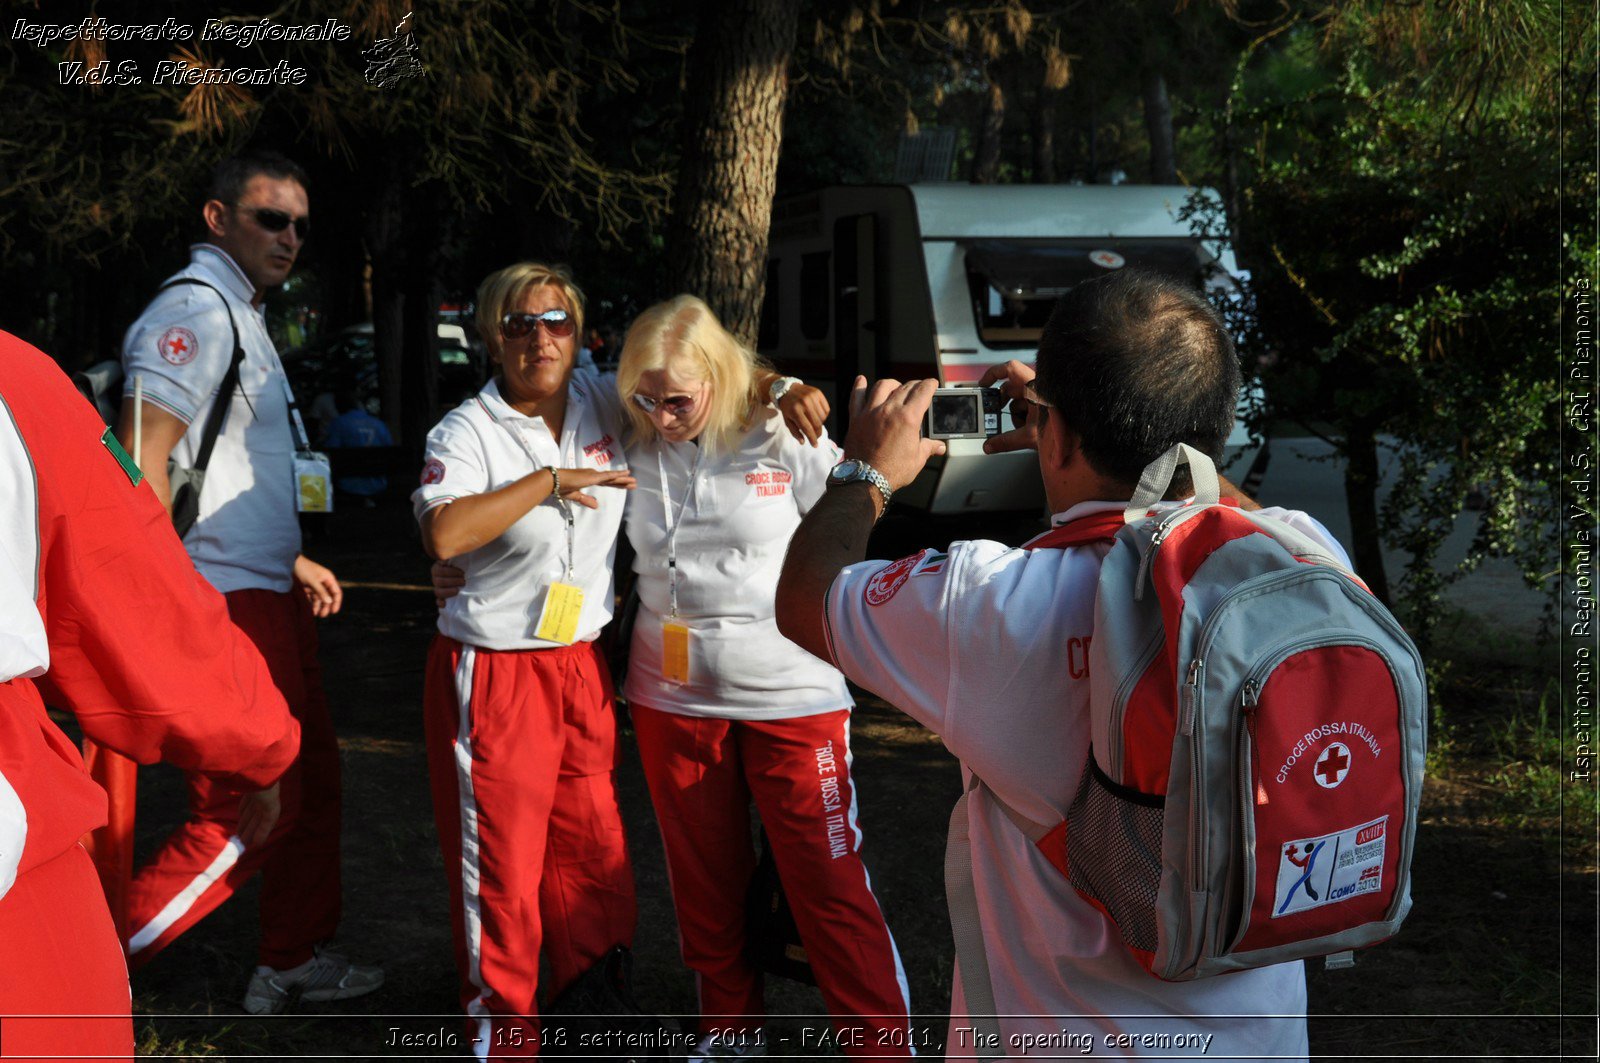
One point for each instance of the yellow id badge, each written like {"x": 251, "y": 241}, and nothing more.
{"x": 558, "y": 621}
{"x": 674, "y": 652}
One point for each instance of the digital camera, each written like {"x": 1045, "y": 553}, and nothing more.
{"x": 964, "y": 413}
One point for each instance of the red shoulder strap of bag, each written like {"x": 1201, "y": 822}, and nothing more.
{"x": 1095, "y": 528}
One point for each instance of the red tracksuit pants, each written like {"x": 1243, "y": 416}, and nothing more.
{"x": 62, "y": 968}
{"x": 203, "y": 862}
{"x": 702, "y": 773}
{"x": 522, "y": 756}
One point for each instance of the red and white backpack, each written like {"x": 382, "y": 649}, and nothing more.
{"x": 1259, "y": 727}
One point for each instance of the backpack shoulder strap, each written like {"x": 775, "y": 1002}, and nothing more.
{"x": 230, "y": 379}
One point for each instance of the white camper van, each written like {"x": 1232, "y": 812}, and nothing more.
{"x": 945, "y": 280}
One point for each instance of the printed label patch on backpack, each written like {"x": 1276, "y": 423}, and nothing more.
{"x": 1313, "y": 872}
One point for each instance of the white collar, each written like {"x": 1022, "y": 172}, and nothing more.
{"x": 496, "y": 406}
{"x": 1084, "y": 509}
{"x": 224, "y": 269}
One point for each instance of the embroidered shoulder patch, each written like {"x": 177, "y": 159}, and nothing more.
{"x": 178, "y": 345}
{"x": 129, "y": 466}
{"x": 433, "y": 472}
{"x": 887, "y": 581}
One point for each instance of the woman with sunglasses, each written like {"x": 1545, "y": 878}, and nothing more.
{"x": 518, "y": 701}
{"x": 725, "y": 708}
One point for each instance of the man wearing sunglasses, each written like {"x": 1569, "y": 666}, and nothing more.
{"x": 1129, "y": 364}
{"x": 205, "y": 321}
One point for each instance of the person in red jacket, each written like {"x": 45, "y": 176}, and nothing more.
{"x": 101, "y": 612}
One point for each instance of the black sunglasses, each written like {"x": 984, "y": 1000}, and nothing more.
{"x": 514, "y": 325}
{"x": 275, "y": 221}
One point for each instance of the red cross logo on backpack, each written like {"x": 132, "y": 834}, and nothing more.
{"x": 1332, "y": 766}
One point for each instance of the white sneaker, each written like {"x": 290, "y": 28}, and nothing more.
{"x": 729, "y": 1045}
{"x": 326, "y": 976}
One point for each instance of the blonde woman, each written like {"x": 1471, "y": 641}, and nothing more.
{"x": 726, "y": 709}
{"x": 523, "y": 489}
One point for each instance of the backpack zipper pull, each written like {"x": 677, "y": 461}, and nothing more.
{"x": 1251, "y": 697}
{"x": 1190, "y": 697}
{"x": 1162, "y": 527}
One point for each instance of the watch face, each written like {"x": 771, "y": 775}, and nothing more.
{"x": 845, "y": 471}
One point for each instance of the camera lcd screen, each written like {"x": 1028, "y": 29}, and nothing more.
{"x": 956, "y": 415}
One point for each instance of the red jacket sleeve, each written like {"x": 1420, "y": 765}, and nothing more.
{"x": 141, "y": 647}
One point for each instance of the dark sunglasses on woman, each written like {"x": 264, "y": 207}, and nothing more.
{"x": 275, "y": 221}
{"x": 515, "y": 325}
{"x": 677, "y": 405}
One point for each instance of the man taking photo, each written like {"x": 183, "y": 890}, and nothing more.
{"x": 976, "y": 645}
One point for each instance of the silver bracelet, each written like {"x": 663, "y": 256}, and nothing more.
{"x": 555, "y": 483}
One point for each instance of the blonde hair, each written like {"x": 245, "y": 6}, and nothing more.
{"x": 684, "y": 333}
{"x": 503, "y": 289}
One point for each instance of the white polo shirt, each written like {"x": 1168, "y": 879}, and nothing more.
{"x": 475, "y": 449}
{"x": 988, "y": 647}
{"x": 734, "y": 512}
{"x": 247, "y": 534}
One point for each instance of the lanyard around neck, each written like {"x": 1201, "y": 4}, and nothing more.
{"x": 562, "y": 504}
{"x": 674, "y": 523}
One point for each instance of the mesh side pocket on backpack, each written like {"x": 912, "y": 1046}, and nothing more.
{"x": 1114, "y": 853}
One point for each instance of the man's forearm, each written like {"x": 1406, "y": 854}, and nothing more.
{"x": 156, "y": 476}
{"x": 833, "y": 535}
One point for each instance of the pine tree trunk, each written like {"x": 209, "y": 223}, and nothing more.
{"x": 419, "y": 376}
{"x": 723, "y": 204}
{"x": 1361, "y": 499}
{"x": 1092, "y": 139}
{"x": 1044, "y": 136}
{"x": 385, "y": 245}
{"x": 986, "y": 163}
{"x": 1158, "y": 126}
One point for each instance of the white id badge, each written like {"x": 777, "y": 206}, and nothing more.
{"x": 313, "y": 482}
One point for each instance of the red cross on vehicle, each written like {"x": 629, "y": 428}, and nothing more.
{"x": 1332, "y": 766}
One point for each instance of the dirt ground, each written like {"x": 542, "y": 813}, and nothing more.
{"x": 1501, "y": 942}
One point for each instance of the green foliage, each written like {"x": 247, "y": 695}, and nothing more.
{"x": 1534, "y": 788}
{"x": 1400, "y": 192}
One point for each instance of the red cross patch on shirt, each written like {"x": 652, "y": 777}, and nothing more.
{"x": 178, "y": 345}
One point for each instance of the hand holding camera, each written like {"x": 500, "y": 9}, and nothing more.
{"x": 1013, "y": 378}
{"x": 964, "y": 413}
{"x": 885, "y": 423}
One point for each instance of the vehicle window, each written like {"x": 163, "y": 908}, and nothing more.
{"x": 1014, "y": 284}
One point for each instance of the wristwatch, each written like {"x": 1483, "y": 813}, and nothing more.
{"x": 780, "y": 387}
{"x": 853, "y": 470}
